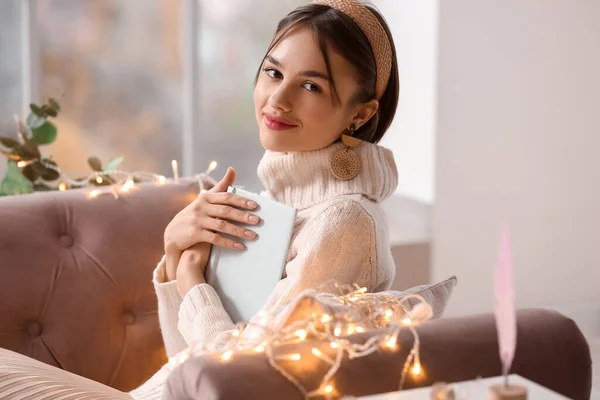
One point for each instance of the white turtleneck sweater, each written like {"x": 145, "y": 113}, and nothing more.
{"x": 340, "y": 233}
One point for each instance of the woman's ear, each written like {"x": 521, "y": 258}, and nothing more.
{"x": 365, "y": 112}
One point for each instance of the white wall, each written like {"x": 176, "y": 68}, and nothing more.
{"x": 411, "y": 136}
{"x": 519, "y": 139}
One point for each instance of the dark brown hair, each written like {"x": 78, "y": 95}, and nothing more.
{"x": 335, "y": 29}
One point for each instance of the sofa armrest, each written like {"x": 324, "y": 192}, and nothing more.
{"x": 551, "y": 351}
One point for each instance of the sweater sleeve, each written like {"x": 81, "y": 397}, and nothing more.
{"x": 335, "y": 244}
{"x": 169, "y": 303}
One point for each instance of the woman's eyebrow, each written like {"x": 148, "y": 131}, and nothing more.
{"x": 309, "y": 73}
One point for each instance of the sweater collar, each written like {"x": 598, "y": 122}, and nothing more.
{"x": 303, "y": 179}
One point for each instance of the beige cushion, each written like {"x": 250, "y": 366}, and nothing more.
{"x": 436, "y": 294}
{"x": 312, "y": 301}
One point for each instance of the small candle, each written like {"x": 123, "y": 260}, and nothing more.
{"x": 510, "y": 392}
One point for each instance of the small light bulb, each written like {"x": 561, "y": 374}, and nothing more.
{"x": 328, "y": 389}
{"x": 162, "y": 179}
{"x": 295, "y": 357}
{"x": 62, "y": 186}
{"x": 183, "y": 357}
{"x": 94, "y": 193}
{"x": 360, "y": 329}
{"x": 317, "y": 352}
{"x": 235, "y": 333}
{"x": 227, "y": 355}
{"x": 301, "y": 334}
{"x": 406, "y": 321}
{"x": 388, "y": 313}
{"x": 334, "y": 345}
{"x": 325, "y": 318}
{"x": 337, "y": 331}
{"x": 259, "y": 349}
{"x": 416, "y": 369}
{"x": 391, "y": 342}
{"x": 99, "y": 179}
{"x": 350, "y": 329}
{"x": 211, "y": 167}
{"x": 128, "y": 185}
{"x": 21, "y": 164}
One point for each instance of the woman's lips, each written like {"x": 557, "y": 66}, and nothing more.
{"x": 277, "y": 123}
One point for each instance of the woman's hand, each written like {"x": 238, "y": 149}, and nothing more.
{"x": 203, "y": 219}
{"x": 192, "y": 267}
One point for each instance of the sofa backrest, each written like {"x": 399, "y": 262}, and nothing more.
{"x": 75, "y": 283}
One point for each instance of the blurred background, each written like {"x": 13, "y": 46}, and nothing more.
{"x": 498, "y": 120}
{"x": 147, "y": 79}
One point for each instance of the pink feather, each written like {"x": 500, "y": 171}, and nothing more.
{"x": 505, "y": 313}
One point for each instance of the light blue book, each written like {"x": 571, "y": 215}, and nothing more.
{"x": 245, "y": 279}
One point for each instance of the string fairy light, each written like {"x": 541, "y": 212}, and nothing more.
{"x": 345, "y": 308}
{"x": 125, "y": 181}
{"x": 227, "y": 355}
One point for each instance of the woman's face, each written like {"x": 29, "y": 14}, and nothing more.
{"x": 294, "y": 101}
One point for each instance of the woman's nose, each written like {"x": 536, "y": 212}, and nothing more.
{"x": 280, "y": 99}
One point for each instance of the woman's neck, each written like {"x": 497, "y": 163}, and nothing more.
{"x": 303, "y": 179}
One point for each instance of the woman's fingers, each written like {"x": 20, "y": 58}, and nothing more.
{"x": 218, "y": 240}
{"x": 220, "y": 225}
{"x": 230, "y": 213}
{"x": 231, "y": 199}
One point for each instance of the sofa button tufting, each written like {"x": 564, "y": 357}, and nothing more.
{"x": 66, "y": 240}
{"x": 128, "y": 318}
{"x": 35, "y": 329}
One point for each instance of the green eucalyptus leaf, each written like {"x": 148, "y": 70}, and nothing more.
{"x": 38, "y": 167}
{"x": 33, "y": 121}
{"x": 30, "y": 173}
{"x": 95, "y": 163}
{"x": 45, "y": 134}
{"x": 53, "y": 103}
{"x": 8, "y": 142}
{"x": 49, "y": 174}
{"x": 113, "y": 164}
{"x": 14, "y": 182}
{"x": 49, "y": 111}
{"x": 10, "y": 155}
{"x": 48, "y": 160}
{"x": 22, "y": 153}
{"x": 37, "y": 110}
{"x": 30, "y": 150}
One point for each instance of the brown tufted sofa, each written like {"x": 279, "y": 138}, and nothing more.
{"x": 76, "y": 293}
{"x": 75, "y": 287}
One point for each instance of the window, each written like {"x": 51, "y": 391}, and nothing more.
{"x": 115, "y": 67}
{"x": 10, "y": 69}
{"x": 118, "y": 69}
{"x": 229, "y": 59}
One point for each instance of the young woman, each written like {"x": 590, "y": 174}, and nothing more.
{"x": 325, "y": 94}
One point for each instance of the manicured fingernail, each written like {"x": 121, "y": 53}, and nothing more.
{"x": 239, "y": 245}
{"x": 252, "y": 204}
{"x": 250, "y": 234}
{"x": 253, "y": 218}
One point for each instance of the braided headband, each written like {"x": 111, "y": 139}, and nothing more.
{"x": 378, "y": 39}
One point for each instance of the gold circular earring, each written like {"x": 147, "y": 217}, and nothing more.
{"x": 344, "y": 164}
